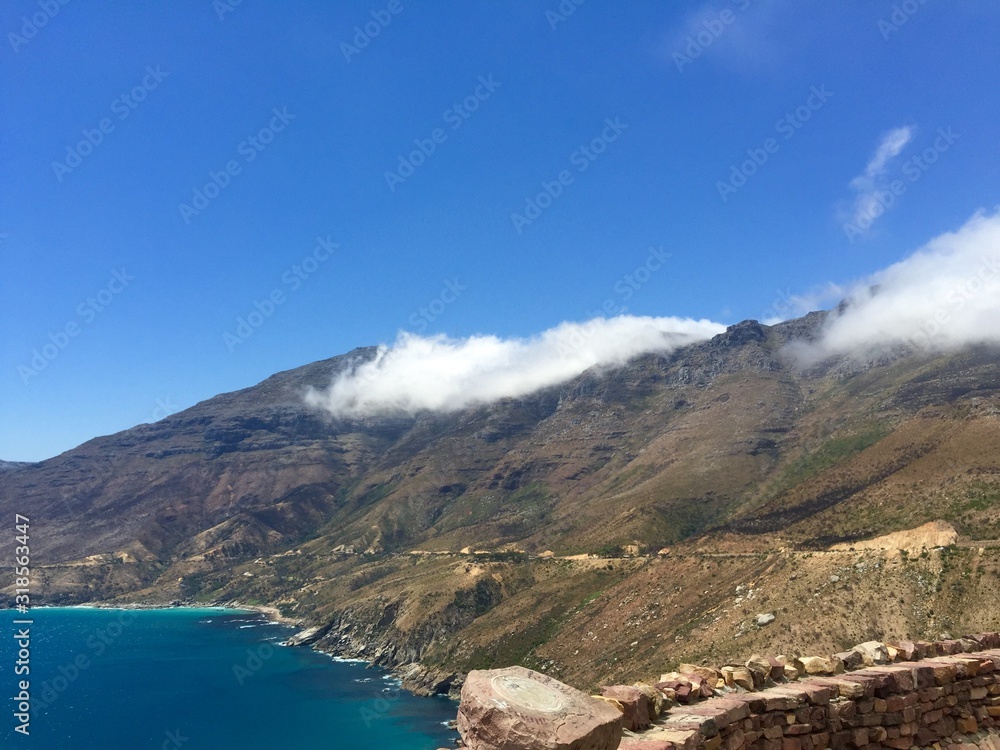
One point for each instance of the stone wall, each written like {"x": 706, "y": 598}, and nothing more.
{"x": 943, "y": 694}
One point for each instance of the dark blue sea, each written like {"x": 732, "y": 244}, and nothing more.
{"x": 199, "y": 679}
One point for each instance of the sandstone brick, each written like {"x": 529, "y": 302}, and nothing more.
{"x": 923, "y": 676}
{"x": 850, "y": 659}
{"x": 705, "y": 726}
{"x": 840, "y": 740}
{"x": 932, "y": 717}
{"x": 844, "y": 688}
{"x": 899, "y": 743}
{"x": 868, "y": 681}
{"x": 636, "y": 707}
{"x": 779, "y": 699}
{"x": 735, "y": 740}
{"x": 844, "y": 709}
{"x": 816, "y": 693}
{"x": 900, "y": 677}
{"x": 970, "y": 663}
{"x": 967, "y": 725}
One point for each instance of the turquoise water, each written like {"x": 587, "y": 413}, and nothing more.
{"x": 200, "y": 679}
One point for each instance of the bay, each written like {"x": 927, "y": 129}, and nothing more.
{"x": 200, "y": 678}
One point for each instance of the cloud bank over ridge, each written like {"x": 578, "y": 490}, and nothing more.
{"x": 944, "y": 296}
{"x": 446, "y": 374}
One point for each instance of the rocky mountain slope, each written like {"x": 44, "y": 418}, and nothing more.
{"x": 746, "y": 465}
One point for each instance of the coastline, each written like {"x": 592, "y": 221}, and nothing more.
{"x": 272, "y": 612}
{"x": 413, "y": 677}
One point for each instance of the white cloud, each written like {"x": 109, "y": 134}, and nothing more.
{"x": 446, "y": 374}
{"x": 871, "y": 182}
{"x": 944, "y": 296}
{"x": 744, "y": 35}
{"x": 892, "y": 143}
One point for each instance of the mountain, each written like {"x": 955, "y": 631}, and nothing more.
{"x": 747, "y": 465}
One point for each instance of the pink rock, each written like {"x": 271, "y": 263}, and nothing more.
{"x": 640, "y": 744}
{"x": 520, "y": 709}
{"x": 636, "y": 716}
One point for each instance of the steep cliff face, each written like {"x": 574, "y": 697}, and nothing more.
{"x": 254, "y": 496}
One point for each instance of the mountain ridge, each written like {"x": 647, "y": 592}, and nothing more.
{"x": 726, "y": 445}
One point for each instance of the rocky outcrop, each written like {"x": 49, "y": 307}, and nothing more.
{"x": 519, "y": 709}
{"x": 634, "y": 703}
{"x": 928, "y": 536}
{"x": 421, "y": 680}
{"x": 306, "y": 637}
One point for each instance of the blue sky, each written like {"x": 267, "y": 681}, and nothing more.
{"x": 171, "y": 166}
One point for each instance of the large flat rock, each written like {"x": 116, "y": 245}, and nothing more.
{"x": 520, "y": 709}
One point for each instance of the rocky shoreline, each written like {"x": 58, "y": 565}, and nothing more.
{"x": 332, "y": 639}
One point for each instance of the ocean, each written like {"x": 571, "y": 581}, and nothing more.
{"x": 198, "y": 679}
